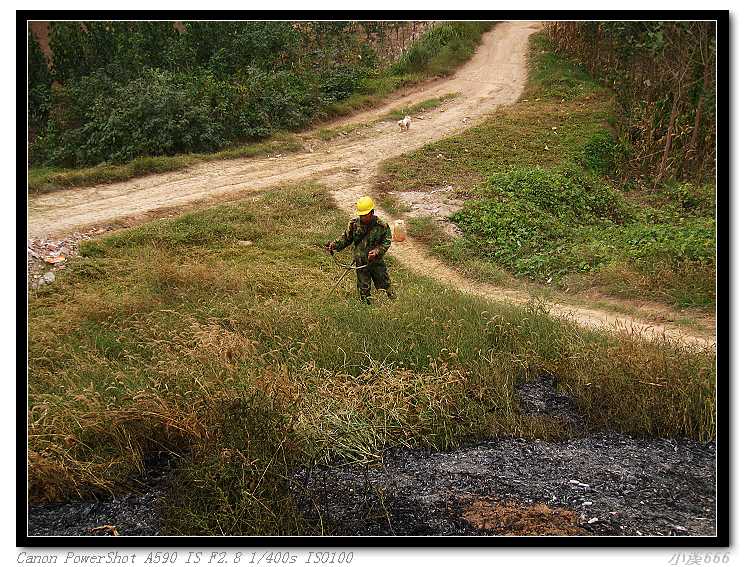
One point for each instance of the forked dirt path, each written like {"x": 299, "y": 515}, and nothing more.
{"x": 494, "y": 76}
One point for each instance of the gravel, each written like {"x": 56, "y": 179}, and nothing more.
{"x": 46, "y": 255}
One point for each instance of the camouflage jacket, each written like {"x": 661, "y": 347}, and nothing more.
{"x": 377, "y": 235}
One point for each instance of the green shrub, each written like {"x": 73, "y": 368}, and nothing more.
{"x": 128, "y": 89}
{"x": 599, "y": 153}
{"x": 568, "y": 194}
{"x": 39, "y": 85}
{"x": 441, "y": 48}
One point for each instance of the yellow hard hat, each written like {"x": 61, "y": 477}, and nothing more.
{"x": 365, "y": 205}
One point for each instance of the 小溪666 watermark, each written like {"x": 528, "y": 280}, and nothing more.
{"x": 699, "y": 558}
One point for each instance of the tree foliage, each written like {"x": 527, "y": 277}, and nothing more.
{"x": 118, "y": 90}
{"x": 39, "y": 85}
{"x": 663, "y": 74}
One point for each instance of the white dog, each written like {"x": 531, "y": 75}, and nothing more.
{"x": 404, "y": 124}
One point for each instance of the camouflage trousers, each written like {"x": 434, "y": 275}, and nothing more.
{"x": 376, "y": 273}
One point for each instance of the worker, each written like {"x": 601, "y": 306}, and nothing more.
{"x": 371, "y": 238}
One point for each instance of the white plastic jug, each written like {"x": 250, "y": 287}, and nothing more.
{"x": 399, "y": 231}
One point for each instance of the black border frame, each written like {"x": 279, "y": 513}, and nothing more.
{"x": 723, "y": 323}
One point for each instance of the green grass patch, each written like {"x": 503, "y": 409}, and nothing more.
{"x": 46, "y": 179}
{"x": 419, "y": 107}
{"x": 235, "y": 359}
{"x": 546, "y": 203}
{"x": 331, "y": 133}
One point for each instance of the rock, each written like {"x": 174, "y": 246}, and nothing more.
{"x": 46, "y": 278}
{"x": 54, "y": 259}
{"x": 245, "y": 242}
{"x": 592, "y": 520}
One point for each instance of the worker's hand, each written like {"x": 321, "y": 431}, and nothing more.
{"x": 372, "y": 255}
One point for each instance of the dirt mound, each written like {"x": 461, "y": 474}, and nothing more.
{"x": 513, "y": 519}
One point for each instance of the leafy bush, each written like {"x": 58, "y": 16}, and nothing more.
{"x": 599, "y": 153}
{"x": 440, "y": 46}
{"x": 664, "y": 78}
{"x": 569, "y": 195}
{"x": 39, "y": 85}
{"x": 131, "y": 89}
{"x": 158, "y": 113}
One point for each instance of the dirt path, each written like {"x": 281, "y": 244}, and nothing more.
{"x": 494, "y": 76}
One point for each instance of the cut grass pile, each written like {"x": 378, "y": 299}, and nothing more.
{"x": 178, "y": 336}
{"x": 545, "y": 204}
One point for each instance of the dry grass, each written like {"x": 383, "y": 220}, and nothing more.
{"x": 237, "y": 362}
{"x": 519, "y": 520}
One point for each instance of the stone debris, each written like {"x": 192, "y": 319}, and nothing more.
{"x": 437, "y": 203}
{"x": 44, "y": 256}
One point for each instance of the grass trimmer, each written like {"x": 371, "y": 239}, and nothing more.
{"x": 346, "y": 269}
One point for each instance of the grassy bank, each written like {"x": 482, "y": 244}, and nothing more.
{"x": 548, "y": 201}
{"x": 438, "y": 52}
{"x": 212, "y": 337}
{"x": 47, "y": 179}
